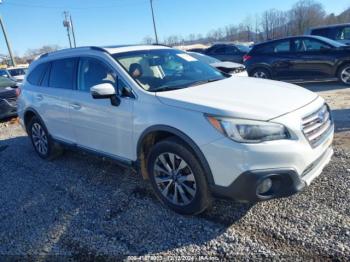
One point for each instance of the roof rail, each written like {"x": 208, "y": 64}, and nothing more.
{"x": 96, "y": 48}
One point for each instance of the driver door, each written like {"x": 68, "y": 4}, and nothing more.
{"x": 97, "y": 124}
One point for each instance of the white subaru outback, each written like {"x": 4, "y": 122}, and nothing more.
{"x": 192, "y": 130}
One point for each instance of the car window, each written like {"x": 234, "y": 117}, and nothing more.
{"x": 46, "y": 77}
{"x": 36, "y": 74}
{"x": 219, "y": 50}
{"x": 281, "y": 47}
{"x": 344, "y": 34}
{"x": 17, "y": 71}
{"x": 231, "y": 50}
{"x": 309, "y": 45}
{"x": 94, "y": 72}
{"x": 62, "y": 73}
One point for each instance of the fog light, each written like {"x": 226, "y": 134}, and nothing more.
{"x": 264, "y": 186}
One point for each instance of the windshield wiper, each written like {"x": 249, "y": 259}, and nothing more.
{"x": 201, "y": 82}
{"x": 169, "y": 88}
{"x": 165, "y": 88}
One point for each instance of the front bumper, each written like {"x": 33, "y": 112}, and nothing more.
{"x": 8, "y": 107}
{"x": 285, "y": 182}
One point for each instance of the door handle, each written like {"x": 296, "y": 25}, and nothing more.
{"x": 39, "y": 97}
{"x": 75, "y": 106}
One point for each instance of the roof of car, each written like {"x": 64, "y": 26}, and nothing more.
{"x": 329, "y": 26}
{"x": 109, "y": 49}
{"x": 290, "y": 37}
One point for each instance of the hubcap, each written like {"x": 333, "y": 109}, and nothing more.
{"x": 175, "y": 179}
{"x": 345, "y": 75}
{"x": 39, "y": 138}
{"x": 260, "y": 74}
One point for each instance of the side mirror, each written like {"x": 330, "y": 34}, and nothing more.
{"x": 102, "y": 91}
{"x": 105, "y": 91}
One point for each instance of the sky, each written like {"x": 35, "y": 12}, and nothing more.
{"x": 34, "y": 23}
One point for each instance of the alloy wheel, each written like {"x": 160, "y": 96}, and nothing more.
{"x": 39, "y": 139}
{"x": 345, "y": 75}
{"x": 175, "y": 179}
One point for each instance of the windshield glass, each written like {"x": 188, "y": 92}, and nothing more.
{"x": 204, "y": 58}
{"x": 166, "y": 69}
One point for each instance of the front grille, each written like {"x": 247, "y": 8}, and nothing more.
{"x": 316, "y": 125}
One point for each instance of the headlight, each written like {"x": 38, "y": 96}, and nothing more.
{"x": 249, "y": 131}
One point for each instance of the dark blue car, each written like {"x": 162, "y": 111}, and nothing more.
{"x": 300, "y": 58}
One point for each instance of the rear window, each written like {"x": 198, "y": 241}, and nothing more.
{"x": 62, "y": 73}
{"x": 36, "y": 74}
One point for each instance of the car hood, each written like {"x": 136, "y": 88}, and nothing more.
{"x": 230, "y": 65}
{"x": 250, "y": 98}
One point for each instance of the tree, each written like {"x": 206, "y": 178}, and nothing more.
{"x": 148, "y": 40}
{"x": 306, "y": 14}
{"x": 33, "y": 53}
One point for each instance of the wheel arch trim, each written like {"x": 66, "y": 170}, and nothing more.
{"x": 176, "y": 132}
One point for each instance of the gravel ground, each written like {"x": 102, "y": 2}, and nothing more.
{"x": 80, "y": 206}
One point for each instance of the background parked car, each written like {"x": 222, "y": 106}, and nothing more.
{"x": 227, "y": 52}
{"x": 18, "y": 73}
{"x": 226, "y": 67}
{"x": 339, "y": 33}
{"x": 300, "y": 58}
{"x": 5, "y": 73}
{"x": 8, "y": 97}
{"x": 7, "y": 82}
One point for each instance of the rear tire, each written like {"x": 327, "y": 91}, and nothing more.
{"x": 344, "y": 74}
{"x": 177, "y": 178}
{"x": 43, "y": 144}
{"x": 261, "y": 73}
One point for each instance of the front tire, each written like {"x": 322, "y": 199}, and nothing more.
{"x": 344, "y": 74}
{"x": 41, "y": 140}
{"x": 177, "y": 177}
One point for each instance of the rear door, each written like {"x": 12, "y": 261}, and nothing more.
{"x": 98, "y": 125}
{"x": 280, "y": 59}
{"x": 53, "y": 84}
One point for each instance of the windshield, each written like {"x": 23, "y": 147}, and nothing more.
{"x": 166, "y": 69}
{"x": 204, "y": 58}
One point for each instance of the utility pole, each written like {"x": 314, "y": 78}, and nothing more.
{"x": 67, "y": 24}
{"x": 154, "y": 23}
{"x": 7, "y": 41}
{"x": 73, "y": 34}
